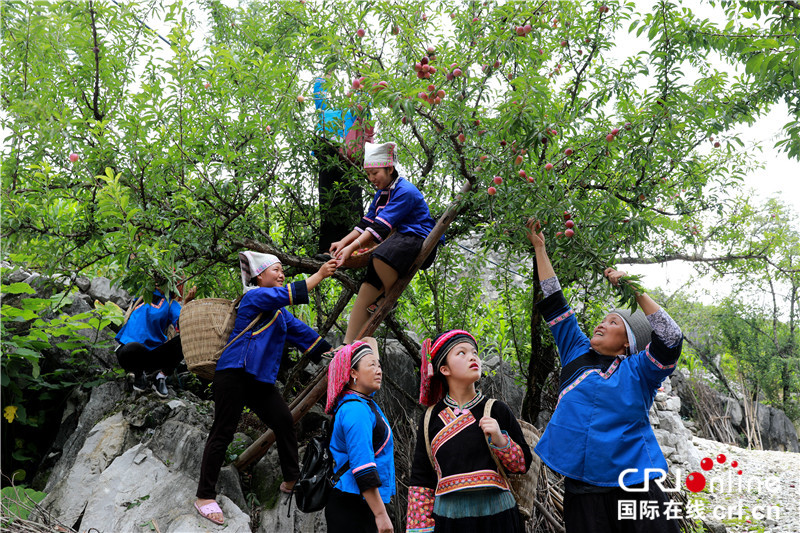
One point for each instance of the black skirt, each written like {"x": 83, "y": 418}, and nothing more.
{"x": 349, "y": 513}
{"x": 609, "y": 511}
{"x": 508, "y": 521}
{"x": 399, "y": 251}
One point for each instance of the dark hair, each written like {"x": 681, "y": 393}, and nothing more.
{"x": 253, "y": 281}
{"x": 395, "y": 174}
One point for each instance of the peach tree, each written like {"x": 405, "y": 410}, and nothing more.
{"x": 126, "y": 156}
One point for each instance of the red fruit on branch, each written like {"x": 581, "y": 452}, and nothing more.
{"x": 523, "y": 174}
{"x": 615, "y": 132}
{"x": 73, "y": 157}
{"x": 569, "y": 233}
{"x": 462, "y": 137}
{"x": 569, "y": 223}
{"x": 567, "y": 215}
{"x": 610, "y": 137}
{"x": 497, "y": 180}
{"x": 360, "y": 32}
{"x": 548, "y": 166}
{"x": 491, "y": 191}
{"x": 568, "y": 152}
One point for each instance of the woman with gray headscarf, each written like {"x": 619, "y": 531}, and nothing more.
{"x": 247, "y": 369}
{"x": 599, "y": 437}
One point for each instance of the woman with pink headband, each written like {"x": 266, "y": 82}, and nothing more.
{"x": 362, "y": 440}
{"x": 455, "y": 483}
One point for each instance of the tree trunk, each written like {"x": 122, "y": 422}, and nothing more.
{"x": 542, "y": 361}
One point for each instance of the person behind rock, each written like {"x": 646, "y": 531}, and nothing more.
{"x": 465, "y": 492}
{"x": 143, "y": 344}
{"x": 246, "y": 371}
{"x": 363, "y": 439}
{"x": 397, "y": 206}
{"x": 600, "y": 426}
{"x": 339, "y": 200}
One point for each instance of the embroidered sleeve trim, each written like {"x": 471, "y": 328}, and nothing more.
{"x": 419, "y": 516}
{"x": 506, "y": 445}
{"x": 653, "y": 360}
{"x": 384, "y": 221}
{"x": 511, "y": 456}
{"x": 362, "y": 467}
{"x": 313, "y": 345}
{"x": 291, "y": 296}
{"x": 358, "y": 229}
{"x": 561, "y": 318}
{"x": 375, "y": 234}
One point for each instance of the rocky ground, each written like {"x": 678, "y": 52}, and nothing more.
{"x": 765, "y": 497}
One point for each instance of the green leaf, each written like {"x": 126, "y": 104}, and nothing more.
{"x": 754, "y": 63}
{"x": 17, "y": 288}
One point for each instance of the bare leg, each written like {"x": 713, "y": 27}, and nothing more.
{"x": 366, "y": 295}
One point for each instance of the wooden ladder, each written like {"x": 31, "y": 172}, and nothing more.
{"x": 318, "y": 386}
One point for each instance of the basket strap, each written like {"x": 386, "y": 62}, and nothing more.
{"x": 232, "y": 315}
{"x": 487, "y": 411}
{"x": 425, "y": 424}
{"x": 133, "y": 306}
{"x": 245, "y": 330}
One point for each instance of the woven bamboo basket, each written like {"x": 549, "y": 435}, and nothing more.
{"x": 524, "y": 485}
{"x": 206, "y": 325}
{"x": 359, "y": 258}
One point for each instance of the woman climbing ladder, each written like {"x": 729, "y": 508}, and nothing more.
{"x": 397, "y": 206}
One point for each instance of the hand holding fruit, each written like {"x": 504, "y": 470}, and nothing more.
{"x": 535, "y": 233}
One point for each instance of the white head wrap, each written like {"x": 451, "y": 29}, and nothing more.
{"x": 252, "y": 264}
{"x": 380, "y": 155}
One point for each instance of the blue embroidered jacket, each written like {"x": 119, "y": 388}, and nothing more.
{"x": 401, "y": 207}
{"x": 601, "y": 424}
{"x": 148, "y": 323}
{"x": 259, "y": 351}
{"x": 371, "y": 463}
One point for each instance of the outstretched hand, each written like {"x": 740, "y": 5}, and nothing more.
{"x": 535, "y": 233}
{"x": 614, "y": 275}
{"x": 328, "y": 268}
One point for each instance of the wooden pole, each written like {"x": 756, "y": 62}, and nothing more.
{"x": 319, "y": 385}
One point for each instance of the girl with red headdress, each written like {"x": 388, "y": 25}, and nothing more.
{"x": 362, "y": 439}
{"x": 455, "y": 483}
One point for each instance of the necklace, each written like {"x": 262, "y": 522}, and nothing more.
{"x": 459, "y": 410}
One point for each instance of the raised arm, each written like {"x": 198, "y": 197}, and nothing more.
{"x": 536, "y": 236}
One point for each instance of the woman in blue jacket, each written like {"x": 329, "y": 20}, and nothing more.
{"x": 246, "y": 371}
{"x": 399, "y": 207}
{"x": 600, "y": 428}
{"x": 362, "y": 439}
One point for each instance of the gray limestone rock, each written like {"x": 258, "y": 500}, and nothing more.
{"x": 138, "y": 488}
{"x": 101, "y": 289}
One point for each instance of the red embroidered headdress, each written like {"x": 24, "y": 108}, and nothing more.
{"x": 339, "y": 370}
{"x": 433, "y": 356}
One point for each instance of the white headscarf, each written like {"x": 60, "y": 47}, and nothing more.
{"x": 380, "y": 155}
{"x": 252, "y": 264}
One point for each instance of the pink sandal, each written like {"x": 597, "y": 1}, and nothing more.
{"x": 208, "y": 509}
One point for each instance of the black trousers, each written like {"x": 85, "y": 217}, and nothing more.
{"x": 233, "y": 390}
{"x": 340, "y": 205}
{"x": 135, "y": 357}
{"x": 349, "y": 513}
{"x": 603, "y": 512}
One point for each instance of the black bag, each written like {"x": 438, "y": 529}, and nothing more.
{"x": 317, "y": 478}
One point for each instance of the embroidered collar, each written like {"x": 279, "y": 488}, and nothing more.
{"x": 359, "y": 394}
{"x": 462, "y": 409}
